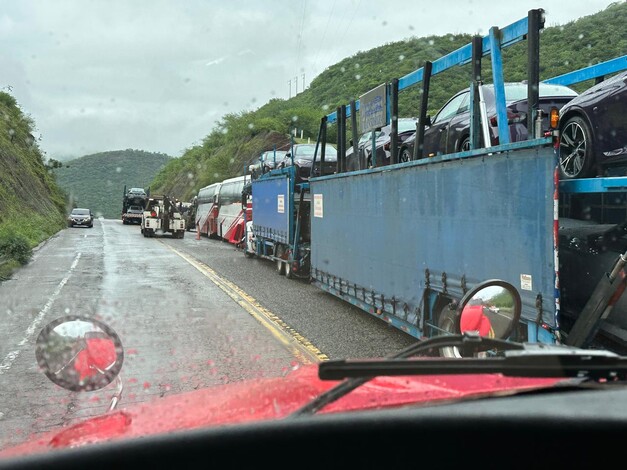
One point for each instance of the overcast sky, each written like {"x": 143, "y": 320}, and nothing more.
{"x": 156, "y": 75}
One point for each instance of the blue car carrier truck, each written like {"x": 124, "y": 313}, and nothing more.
{"x": 405, "y": 242}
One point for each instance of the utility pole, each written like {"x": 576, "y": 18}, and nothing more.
{"x": 289, "y": 82}
{"x": 303, "y": 82}
{"x": 296, "y": 83}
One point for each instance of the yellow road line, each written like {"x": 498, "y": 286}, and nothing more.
{"x": 298, "y": 345}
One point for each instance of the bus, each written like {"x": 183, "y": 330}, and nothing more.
{"x": 230, "y": 204}
{"x": 207, "y": 210}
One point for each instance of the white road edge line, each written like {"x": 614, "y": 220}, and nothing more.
{"x": 30, "y": 331}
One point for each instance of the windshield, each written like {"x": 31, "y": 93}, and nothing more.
{"x": 518, "y": 91}
{"x": 307, "y": 151}
{"x": 273, "y": 156}
{"x": 80, "y": 211}
{"x": 406, "y": 125}
{"x": 209, "y": 284}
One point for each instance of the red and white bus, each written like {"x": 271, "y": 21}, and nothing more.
{"x": 230, "y": 212}
{"x": 207, "y": 210}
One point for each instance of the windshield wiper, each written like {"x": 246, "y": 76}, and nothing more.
{"x": 558, "y": 362}
{"x": 518, "y": 359}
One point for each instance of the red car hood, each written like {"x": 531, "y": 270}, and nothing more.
{"x": 267, "y": 399}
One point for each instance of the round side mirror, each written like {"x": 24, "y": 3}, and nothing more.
{"x": 79, "y": 353}
{"x": 491, "y": 309}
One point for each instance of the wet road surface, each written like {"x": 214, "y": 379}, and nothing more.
{"x": 191, "y": 313}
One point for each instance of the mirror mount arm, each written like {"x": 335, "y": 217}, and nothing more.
{"x": 117, "y": 396}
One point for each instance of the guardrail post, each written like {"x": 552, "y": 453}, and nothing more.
{"x": 355, "y": 132}
{"x": 535, "y": 22}
{"x": 394, "y": 123}
{"x": 341, "y": 157}
{"x": 499, "y": 87}
{"x": 475, "y": 112}
{"x": 424, "y": 103}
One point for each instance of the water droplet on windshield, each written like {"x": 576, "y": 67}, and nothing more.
{"x": 357, "y": 77}
{"x": 401, "y": 57}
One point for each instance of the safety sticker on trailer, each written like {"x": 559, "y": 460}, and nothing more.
{"x": 318, "y": 206}
{"x": 525, "y": 282}
{"x": 280, "y": 203}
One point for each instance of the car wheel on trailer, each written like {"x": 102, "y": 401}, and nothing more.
{"x": 405, "y": 155}
{"x": 575, "y": 148}
{"x": 465, "y": 145}
{"x": 447, "y": 321}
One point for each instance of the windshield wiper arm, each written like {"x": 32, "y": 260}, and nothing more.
{"x": 468, "y": 342}
{"x": 519, "y": 359}
{"x": 558, "y": 362}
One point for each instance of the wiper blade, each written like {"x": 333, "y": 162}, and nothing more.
{"x": 595, "y": 365}
{"x": 518, "y": 359}
{"x": 469, "y": 343}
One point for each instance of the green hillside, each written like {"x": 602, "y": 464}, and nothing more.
{"x": 228, "y": 147}
{"x": 97, "y": 181}
{"x": 32, "y": 207}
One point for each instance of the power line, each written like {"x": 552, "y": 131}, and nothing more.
{"x": 324, "y": 34}
{"x": 300, "y": 33}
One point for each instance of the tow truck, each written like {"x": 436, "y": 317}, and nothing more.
{"x": 161, "y": 216}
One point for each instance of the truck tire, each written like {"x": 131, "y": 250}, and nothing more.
{"x": 447, "y": 321}
{"x": 280, "y": 264}
{"x": 288, "y": 270}
{"x": 289, "y": 273}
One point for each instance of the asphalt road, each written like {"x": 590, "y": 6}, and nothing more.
{"x": 190, "y": 313}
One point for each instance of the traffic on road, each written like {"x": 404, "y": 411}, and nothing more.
{"x": 384, "y": 283}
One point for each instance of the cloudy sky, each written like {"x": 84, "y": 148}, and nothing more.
{"x": 156, "y": 75}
